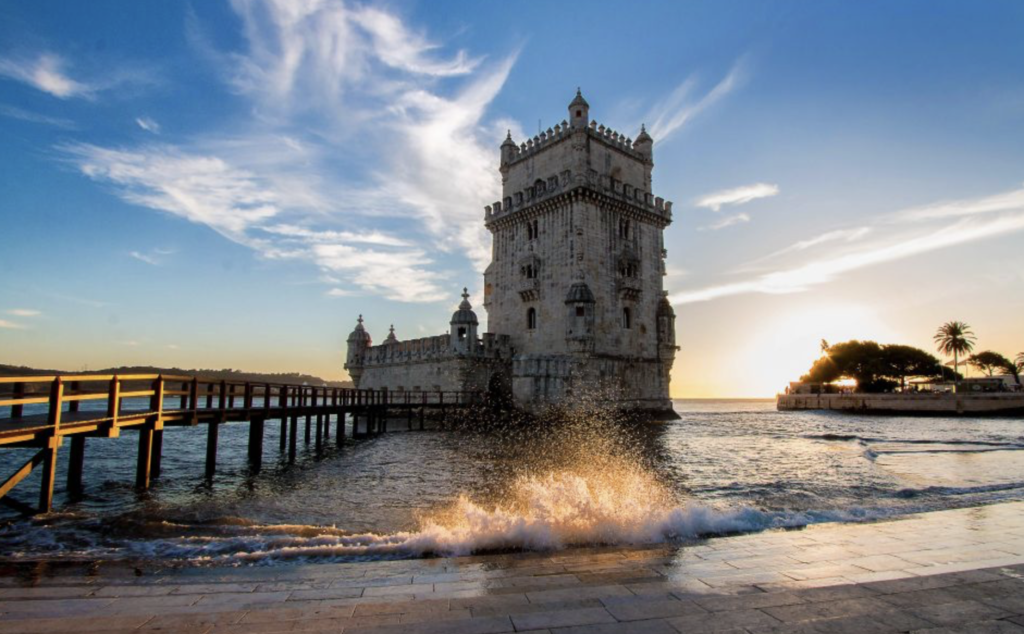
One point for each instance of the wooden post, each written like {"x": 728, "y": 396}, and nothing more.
{"x": 19, "y": 392}
{"x": 408, "y": 416}
{"x": 145, "y": 457}
{"x": 339, "y": 434}
{"x": 247, "y": 400}
{"x": 305, "y": 405}
{"x": 53, "y": 441}
{"x": 157, "y": 405}
{"x": 422, "y": 412}
{"x": 319, "y": 433}
{"x": 73, "y": 405}
{"x": 76, "y": 464}
{"x": 209, "y": 396}
{"x": 186, "y": 390}
{"x": 193, "y": 397}
{"x": 114, "y": 400}
{"x": 212, "y": 436}
{"x": 282, "y": 404}
{"x": 294, "y": 432}
{"x": 256, "y": 444}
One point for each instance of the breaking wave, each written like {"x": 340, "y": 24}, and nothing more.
{"x": 556, "y": 511}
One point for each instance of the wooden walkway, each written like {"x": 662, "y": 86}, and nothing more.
{"x": 148, "y": 403}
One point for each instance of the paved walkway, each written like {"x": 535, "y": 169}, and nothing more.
{"x": 951, "y": 571}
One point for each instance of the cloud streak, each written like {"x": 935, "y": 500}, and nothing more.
{"x": 148, "y": 124}
{"x": 974, "y": 220}
{"x": 737, "y": 196}
{"x": 680, "y": 106}
{"x": 46, "y": 72}
{"x": 727, "y": 221}
{"x": 23, "y": 312}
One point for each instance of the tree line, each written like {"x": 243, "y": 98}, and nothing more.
{"x": 884, "y": 367}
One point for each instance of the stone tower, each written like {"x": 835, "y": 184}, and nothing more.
{"x": 576, "y": 274}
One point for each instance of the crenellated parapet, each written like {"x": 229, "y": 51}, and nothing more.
{"x": 436, "y": 348}
{"x": 548, "y": 188}
{"x": 562, "y": 131}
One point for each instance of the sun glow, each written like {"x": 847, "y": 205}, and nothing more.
{"x": 785, "y": 347}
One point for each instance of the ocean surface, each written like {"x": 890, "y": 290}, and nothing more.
{"x": 727, "y": 466}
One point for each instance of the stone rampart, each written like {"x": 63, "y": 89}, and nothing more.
{"x": 937, "y": 404}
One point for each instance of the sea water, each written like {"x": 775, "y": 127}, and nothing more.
{"x": 726, "y": 466}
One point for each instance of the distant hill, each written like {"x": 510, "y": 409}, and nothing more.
{"x": 292, "y": 378}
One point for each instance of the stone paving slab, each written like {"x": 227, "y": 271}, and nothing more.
{"x": 949, "y": 571}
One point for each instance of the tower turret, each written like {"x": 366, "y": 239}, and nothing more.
{"x": 579, "y": 111}
{"x": 464, "y": 326}
{"x": 508, "y": 149}
{"x": 644, "y": 144}
{"x": 358, "y": 341}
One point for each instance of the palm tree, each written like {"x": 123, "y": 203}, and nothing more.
{"x": 955, "y": 338}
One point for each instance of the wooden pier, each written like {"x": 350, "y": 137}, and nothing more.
{"x": 148, "y": 403}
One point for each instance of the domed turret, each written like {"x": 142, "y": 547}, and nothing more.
{"x": 464, "y": 324}
{"x": 644, "y": 144}
{"x": 358, "y": 342}
{"x": 508, "y": 149}
{"x": 579, "y": 111}
{"x": 465, "y": 314}
{"x": 391, "y": 336}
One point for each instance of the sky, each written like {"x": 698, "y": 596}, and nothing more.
{"x": 230, "y": 184}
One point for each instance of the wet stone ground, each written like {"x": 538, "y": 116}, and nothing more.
{"x": 947, "y": 571}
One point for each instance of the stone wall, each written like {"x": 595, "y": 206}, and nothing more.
{"x": 908, "y": 403}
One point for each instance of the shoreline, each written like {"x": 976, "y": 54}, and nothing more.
{"x": 882, "y": 574}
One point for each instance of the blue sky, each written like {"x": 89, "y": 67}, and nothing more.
{"x": 231, "y": 184}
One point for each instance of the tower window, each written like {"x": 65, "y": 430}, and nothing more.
{"x": 627, "y": 318}
{"x": 581, "y": 311}
{"x": 531, "y": 319}
{"x": 624, "y": 229}
{"x": 532, "y": 230}
{"x": 579, "y": 113}
{"x": 462, "y": 333}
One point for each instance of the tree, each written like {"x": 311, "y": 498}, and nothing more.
{"x": 988, "y": 362}
{"x": 857, "y": 360}
{"x": 900, "y": 362}
{"x": 955, "y": 338}
{"x": 1015, "y": 367}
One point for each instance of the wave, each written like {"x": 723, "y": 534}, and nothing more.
{"x": 945, "y": 491}
{"x": 549, "y": 513}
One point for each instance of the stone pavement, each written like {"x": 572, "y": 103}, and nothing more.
{"x": 949, "y": 571}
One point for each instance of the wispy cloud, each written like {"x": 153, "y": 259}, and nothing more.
{"x": 676, "y": 110}
{"x": 737, "y": 195}
{"x": 45, "y": 72}
{"x": 142, "y": 257}
{"x": 10, "y": 325}
{"x": 23, "y": 312}
{"x": 727, "y": 221}
{"x": 907, "y": 233}
{"x": 421, "y": 158}
{"x": 148, "y": 124}
{"x": 13, "y": 112}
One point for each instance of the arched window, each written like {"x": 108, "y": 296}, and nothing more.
{"x": 531, "y": 318}
{"x": 462, "y": 333}
{"x": 624, "y": 229}
{"x": 627, "y": 318}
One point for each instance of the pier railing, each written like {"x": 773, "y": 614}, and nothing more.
{"x": 43, "y": 410}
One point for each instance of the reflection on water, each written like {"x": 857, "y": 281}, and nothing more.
{"x": 725, "y": 466}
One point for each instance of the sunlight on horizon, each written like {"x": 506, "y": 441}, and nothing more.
{"x": 764, "y": 360}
